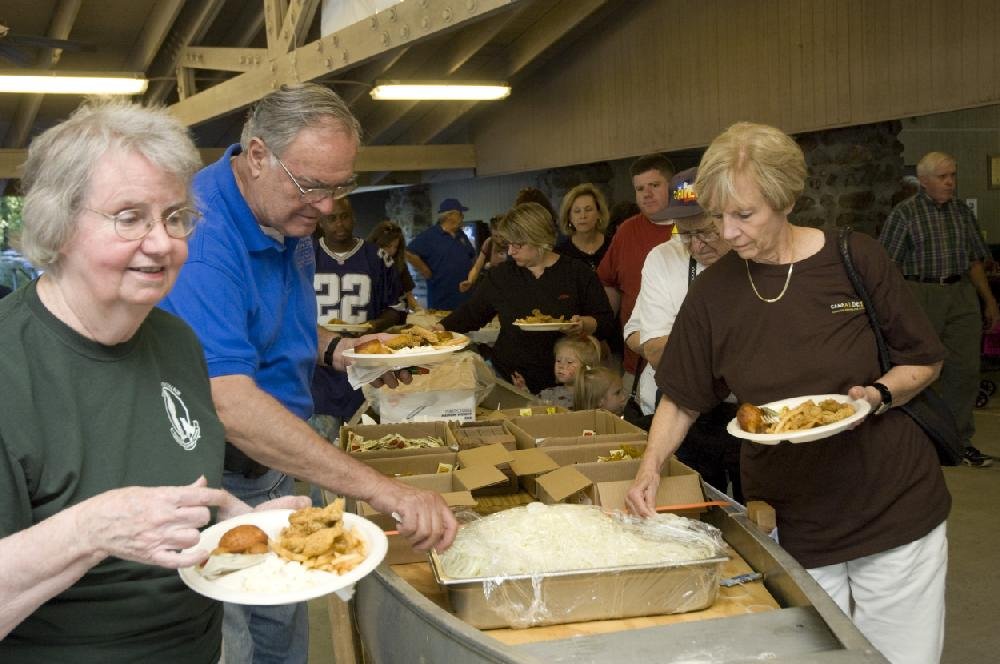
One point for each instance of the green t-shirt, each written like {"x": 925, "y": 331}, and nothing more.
{"x": 78, "y": 418}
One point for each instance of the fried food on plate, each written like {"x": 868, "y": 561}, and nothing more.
{"x": 411, "y": 337}
{"x": 538, "y": 317}
{"x": 243, "y": 539}
{"x": 316, "y": 538}
{"x": 751, "y": 418}
{"x": 806, "y": 415}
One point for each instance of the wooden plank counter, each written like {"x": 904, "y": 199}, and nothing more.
{"x": 738, "y": 600}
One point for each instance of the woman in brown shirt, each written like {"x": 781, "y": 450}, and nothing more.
{"x": 777, "y": 317}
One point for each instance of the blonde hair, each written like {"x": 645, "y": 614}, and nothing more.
{"x": 585, "y": 189}
{"x": 592, "y": 385}
{"x": 767, "y": 156}
{"x": 527, "y": 223}
{"x": 587, "y": 349}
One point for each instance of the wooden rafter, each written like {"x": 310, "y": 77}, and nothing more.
{"x": 542, "y": 35}
{"x": 397, "y": 26}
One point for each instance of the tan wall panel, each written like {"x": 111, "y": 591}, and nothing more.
{"x": 670, "y": 74}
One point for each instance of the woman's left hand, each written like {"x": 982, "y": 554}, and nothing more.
{"x": 581, "y": 325}
{"x": 869, "y": 394}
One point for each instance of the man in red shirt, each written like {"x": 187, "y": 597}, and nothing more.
{"x": 620, "y": 271}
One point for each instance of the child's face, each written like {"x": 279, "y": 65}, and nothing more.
{"x": 614, "y": 399}
{"x": 567, "y": 364}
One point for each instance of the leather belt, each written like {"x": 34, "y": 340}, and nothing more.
{"x": 950, "y": 279}
{"x": 238, "y": 462}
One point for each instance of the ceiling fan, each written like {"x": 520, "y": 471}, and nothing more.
{"x": 13, "y": 45}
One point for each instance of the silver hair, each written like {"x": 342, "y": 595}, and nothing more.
{"x": 279, "y": 116}
{"x": 930, "y": 162}
{"x": 61, "y": 163}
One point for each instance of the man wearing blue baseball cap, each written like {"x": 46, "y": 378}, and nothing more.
{"x": 448, "y": 255}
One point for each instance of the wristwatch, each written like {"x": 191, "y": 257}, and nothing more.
{"x": 330, "y": 348}
{"x": 886, "y": 398}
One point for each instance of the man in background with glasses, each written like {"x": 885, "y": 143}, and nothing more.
{"x": 667, "y": 273}
{"x": 247, "y": 290}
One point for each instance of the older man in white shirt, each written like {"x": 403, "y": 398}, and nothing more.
{"x": 666, "y": 274}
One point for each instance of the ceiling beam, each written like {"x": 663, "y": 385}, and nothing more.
{"x": 154, "y": 33}
{"x": 372, "y": 158}
{"x": 223, "y": 59}
{"x": 355, "y": 44}
{"x": 274, "y": 12}
{"x": 195, "y": 25}
{"x": 460, "y": 50}
{"x": 542, "y": 35}
{"x": 63, "y": 19}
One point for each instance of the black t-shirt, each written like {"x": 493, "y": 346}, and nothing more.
{"x": 565, "y": 247}
{"x": 860, "y": 492}
{"x": 566, "y": 288}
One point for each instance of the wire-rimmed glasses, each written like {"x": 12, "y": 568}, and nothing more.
{"x": 315, "y": 195}
{"x": 135, "y": 223}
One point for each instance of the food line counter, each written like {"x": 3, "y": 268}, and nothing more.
{"x": 786, "y": 618}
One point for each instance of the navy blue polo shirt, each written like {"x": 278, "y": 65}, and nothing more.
{"x": 450, "y": 258}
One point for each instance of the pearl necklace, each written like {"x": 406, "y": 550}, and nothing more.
{"x": 771, "y": 300}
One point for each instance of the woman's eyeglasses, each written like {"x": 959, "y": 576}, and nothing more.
{"x": 135, "y": 224}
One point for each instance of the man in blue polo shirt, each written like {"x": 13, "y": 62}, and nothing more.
{"x": 247, "y": 290}
{"x": 449, "y": 255}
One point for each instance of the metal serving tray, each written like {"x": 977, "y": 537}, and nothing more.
{"x": 554, "y": 598}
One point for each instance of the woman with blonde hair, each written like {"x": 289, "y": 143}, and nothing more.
{"x": 535, "y": 279}
{"x": 863, "y": 510}
{"x": 583, "y": 218}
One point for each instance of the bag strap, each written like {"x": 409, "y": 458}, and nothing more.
{"x": 859, "y": 287}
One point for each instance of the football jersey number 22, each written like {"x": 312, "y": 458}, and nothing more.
{"x": 345, "y": 297}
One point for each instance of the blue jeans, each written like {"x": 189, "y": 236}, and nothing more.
{"x": 264, "y": 634}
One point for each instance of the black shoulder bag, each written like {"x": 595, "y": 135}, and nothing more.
{"x": 927, "y": 408}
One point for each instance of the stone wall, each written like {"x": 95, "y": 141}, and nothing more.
{"x": 853, "y": 174}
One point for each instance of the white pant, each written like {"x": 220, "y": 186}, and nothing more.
{"x": 896, "y": 598}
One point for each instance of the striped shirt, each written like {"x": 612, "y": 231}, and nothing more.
{"x": 933, "y": 241}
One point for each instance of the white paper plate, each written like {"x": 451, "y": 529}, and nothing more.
{"x": 346, "y": 327}
{"x": 272, "y": 522}
{"x": 543, "y": 327}
{"x": 419, "y": 355}
{"x": 861, "y": 408}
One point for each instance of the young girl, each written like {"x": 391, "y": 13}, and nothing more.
{"x": 599, "y": 387}
{"x": 572, "y": 354}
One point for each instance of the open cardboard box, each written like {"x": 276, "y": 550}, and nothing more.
{"x": 406, "y": 429}
{"x": 478, "y": 471}
{"x": 478, "y": 434}
{"x": 580, "y": 454}
{"x": 522, "y": 411}
{"x": 575, "y": 428}
{"x": 414, "y": 464}
{"x": 605, "y": 484}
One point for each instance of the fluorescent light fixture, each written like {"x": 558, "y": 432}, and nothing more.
{"x": 440, "y": 90}
{"x": 77, "y": 83}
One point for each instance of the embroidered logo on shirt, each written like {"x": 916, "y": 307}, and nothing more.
{"x": 185, "y": 431}
{"x": 563, "y": 296}
{"x": 851, "y": 306}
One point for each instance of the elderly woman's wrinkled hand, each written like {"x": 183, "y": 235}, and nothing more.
{"x": 641, "y": 497}
{"x": 150, "y": 525}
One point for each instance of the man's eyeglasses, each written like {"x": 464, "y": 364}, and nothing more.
{"x": 318, "y": 194}
{"x": 135, "y": 224}
{"x": 704, "y": 235}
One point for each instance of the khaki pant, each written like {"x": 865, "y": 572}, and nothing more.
{"x": 954, "y": 311}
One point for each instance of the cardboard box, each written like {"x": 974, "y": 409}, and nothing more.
{"x": 414, "y": 464}
{"x": 575, "y": 428}
{"x": 578, "y": 454}
{"x": 606, "y": 484}
{"x": 406, "y": 429}
{"x": 478, "y": 434}
{"x": 447, "y": 392}
{"x": 522, "y": 411}
{"x": 507, "y": 395}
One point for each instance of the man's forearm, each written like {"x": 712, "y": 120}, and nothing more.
{"x": 977, "y": 275}
{"x": 266, "y": 431}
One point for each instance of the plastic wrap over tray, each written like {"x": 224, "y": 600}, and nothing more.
{"x": 503, "y": 577}
{"x": 563, "y": 597}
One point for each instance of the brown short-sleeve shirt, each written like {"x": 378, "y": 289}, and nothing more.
{"x": 860, "y": 492}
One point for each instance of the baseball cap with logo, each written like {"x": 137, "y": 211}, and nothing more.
{"x": 682, "y": 202}
{"x": 449, "y": 204}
